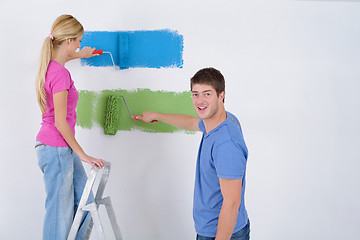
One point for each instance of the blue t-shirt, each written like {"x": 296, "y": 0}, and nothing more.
{"x": 222, "y": 154}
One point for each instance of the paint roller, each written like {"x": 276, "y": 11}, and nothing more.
{"x": 123, "y": 51}
{"x": 112, "y": 114}
{"x": 100, "y": 52}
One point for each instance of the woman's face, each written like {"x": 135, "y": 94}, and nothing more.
{"x": 74, "y": 45}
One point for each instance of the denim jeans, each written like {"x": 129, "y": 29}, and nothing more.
{"x": 243, "y": 234}
{"x": 65, "y": 179}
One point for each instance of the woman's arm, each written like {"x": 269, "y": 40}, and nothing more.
{"x": 60, "y": 108}
{"x": 85, "y": 52}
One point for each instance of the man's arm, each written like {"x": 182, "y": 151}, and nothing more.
{"x": 182, "y": 121}
{"x": 231, "y": 191}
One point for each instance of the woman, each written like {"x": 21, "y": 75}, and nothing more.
{"x": 58, "y": 152}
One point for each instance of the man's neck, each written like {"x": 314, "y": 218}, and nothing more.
{"x": 215, "y": 120}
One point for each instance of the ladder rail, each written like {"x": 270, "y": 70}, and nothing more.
{"x": 103, "y": 181}
{"x": 93, "y": 208}
{"x": 111, "y": 214}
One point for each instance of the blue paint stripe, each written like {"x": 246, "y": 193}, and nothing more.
{"x": 136, "y": 49}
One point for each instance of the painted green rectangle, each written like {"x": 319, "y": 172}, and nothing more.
{"x": 91, "y": 108}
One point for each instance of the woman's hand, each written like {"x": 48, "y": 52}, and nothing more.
{"x": 86, "y": 52}
{"x": 94, "y": 162}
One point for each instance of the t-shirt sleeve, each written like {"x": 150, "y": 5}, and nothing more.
{"x": 229, "y": 161}
{"x": 59, "y": 81}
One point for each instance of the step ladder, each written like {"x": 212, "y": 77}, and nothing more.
{"x": 94, "y": 207}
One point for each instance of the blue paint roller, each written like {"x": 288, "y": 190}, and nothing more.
{"x": 124, "y": 50}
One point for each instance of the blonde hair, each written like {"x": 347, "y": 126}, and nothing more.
{"x": 65, "y": 27}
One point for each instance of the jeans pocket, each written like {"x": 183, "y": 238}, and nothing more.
{"x": 66, "y": 161}
{"x": 41, "y": 156}
{"x": 243, "y": 234}
{"x": 64, "y": 152}
{"x": 198, "y": 237}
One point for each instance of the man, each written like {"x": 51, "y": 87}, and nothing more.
{"x": 219, "y": 210}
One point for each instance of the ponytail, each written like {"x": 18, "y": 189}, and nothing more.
{"x": 45, "y": 57}
{"x": 64, "y": 27}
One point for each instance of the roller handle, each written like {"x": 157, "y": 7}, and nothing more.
{"x": 100, "y": 52}
{"x": 137, "y": 119}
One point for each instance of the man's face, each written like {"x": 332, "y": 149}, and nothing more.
{"x": 205, "y": 100}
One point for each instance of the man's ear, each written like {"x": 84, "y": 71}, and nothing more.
{"x": 222, "y": 96}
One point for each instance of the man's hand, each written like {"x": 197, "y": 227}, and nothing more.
{"x": 148, "y": 116}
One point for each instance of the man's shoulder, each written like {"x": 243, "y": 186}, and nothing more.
{"x": 230, "y": 131}
{"x": 225, "y": 134}
{"x": 230, "y": 138}
{"x": 232, "y": 119}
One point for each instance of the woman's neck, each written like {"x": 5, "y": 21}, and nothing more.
{"x": 60, "y": 56}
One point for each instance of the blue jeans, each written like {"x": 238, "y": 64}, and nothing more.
{"x": 65, "y": 179}
{"x": 243, "y": 234}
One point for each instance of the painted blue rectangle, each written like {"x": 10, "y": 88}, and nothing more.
{"x": 136, "y": 49}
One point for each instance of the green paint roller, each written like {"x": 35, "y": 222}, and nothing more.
{"x": 112, "y": 114}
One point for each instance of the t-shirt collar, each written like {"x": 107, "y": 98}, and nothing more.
{"x": 203, "y": 129}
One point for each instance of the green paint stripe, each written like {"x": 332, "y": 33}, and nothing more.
{"x": 85, "y": 108}
{"x": 91, "y": 108}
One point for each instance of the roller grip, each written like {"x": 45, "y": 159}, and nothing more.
{"x": 100, "y": 52}
{"x": 137, "y": 119}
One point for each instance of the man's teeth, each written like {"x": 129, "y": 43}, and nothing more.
{"x": 201, "y": 108}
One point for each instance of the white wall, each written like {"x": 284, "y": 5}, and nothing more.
{"x": 292, "y": 74}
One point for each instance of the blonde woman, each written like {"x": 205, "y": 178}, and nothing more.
{"x": 59, "y": 154}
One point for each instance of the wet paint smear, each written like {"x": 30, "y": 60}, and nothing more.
{"x": 91, "y": 108}
{"x": 136, "y": 49}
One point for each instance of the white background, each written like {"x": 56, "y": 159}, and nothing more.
{"x": 292, "y": 78}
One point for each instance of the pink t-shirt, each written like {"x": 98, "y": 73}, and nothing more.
{"x": 57, "y": 79}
